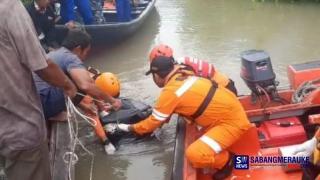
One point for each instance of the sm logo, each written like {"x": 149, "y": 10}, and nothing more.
{"x": 241, "y": 162}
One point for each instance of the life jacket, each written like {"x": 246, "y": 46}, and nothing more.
{"x": 201, "y": 68}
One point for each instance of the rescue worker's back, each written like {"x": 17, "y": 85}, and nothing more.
{"x": 215, "y": 109}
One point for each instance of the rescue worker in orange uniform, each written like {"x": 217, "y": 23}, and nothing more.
{"x": 199, "y": 67}
{"x": 215, "y": 109}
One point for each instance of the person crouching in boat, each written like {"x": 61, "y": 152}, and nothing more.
{"x": 199, "y": 67}
{"x": 69, "y": 57}
{"x": 213, "y": 108}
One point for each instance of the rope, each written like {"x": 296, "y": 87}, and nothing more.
{"x": 304, "y": 90}
{"x": 91, "y": 121}
{"x": 71, "y": 157}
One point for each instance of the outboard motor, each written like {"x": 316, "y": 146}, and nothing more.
{"x": 257, "y": 73}
{"x": 131, "y": 112}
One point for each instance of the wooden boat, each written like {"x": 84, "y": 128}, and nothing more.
{"x": 113, "y": 30}
{"x": 278, "y": 125}
{"x": 59, "y": 144}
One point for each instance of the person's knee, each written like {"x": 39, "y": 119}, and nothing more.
{"x": 193, "y": 156}
{"x": 199, "y": 157}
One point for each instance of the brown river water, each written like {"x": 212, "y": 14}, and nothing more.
{"x": 216, "y": 30}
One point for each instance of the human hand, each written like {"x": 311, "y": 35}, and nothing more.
{"x": 69, "y": 88}
{"x": 116, "y": 104}
{"x": 104, "y": 106}
{"x": 70, "y": 25}
{"x": 107, "y": 107}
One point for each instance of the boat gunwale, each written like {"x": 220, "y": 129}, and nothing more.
{"x": 143, "y": 14}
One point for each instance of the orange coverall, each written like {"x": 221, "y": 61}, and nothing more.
{"x": 224, "y": 119}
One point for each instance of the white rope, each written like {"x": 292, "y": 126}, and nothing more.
{"x": 73, "y": 127}
{"x": 91, "y": 121}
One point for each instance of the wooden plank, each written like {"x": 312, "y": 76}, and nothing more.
{"x": 2, "y": 175}
{"x": 59, "y": 140}
{"x": 113, "y": 11}
{"x": 59, "y": 145}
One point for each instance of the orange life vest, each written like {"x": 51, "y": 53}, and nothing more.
{"x": 201, "y": 68}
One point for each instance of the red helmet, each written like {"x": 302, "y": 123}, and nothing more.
{"x": 160, "y": 50}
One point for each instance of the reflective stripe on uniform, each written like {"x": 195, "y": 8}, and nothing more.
{"x": 200, "y": 66}
{"x": 211, "y": 143}
{"x": 210, "y": 69}
{"x": 159, "y": 115}
{"x": 187, "y": 84}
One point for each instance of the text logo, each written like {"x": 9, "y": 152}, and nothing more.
{"x": 241, "y": 162}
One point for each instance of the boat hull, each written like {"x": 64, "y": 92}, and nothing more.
{"x": 276, "y": 125}
{"x": 112, "y": 31}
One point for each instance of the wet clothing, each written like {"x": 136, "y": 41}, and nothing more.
{"x": 67, "y": 10}
{"x": 44, "y": 23}
{"x": 204, "y": 69}
{"x": 52, "y": 98}
{"x": 22, "y": 130}
{"x": 224, "y": 120}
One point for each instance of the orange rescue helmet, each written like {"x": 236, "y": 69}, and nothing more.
{"x": 108, "y": 83}
{"x": 160, "y": 50}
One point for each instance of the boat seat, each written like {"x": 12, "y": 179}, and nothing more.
{"x": 138, "y": 8}
{"x": 142, "y": 3}
{"x": 113, "y": 11}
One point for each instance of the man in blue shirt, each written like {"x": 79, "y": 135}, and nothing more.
{"x": 69, "y": 57}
